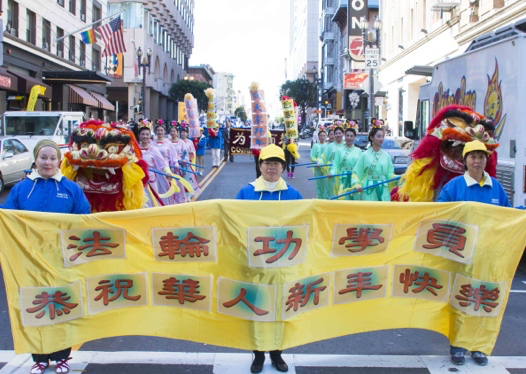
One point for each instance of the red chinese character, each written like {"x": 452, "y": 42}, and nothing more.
{"x": 182, "y": 291}
{"x": 298, "y": 298}
{"x": 479, "y": 297}
{"x": 286, "y": 244}
{"x": 425, "y": 282}
{"x": 241, "y": 297}
{"x": 359, "y": 282}
{"x": 191, "y": 245}
{"x": 51, "y": 301}
{"x": 121, "y": 288}
{"x": 363, "y": 238}
{"x": 445, "y": 235}
{"x": 97, "y": 248}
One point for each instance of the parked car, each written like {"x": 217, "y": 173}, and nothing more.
{"x": 15, "y": 157}
{"x": 361, "y": 140}
{"x": 399, "y": 157}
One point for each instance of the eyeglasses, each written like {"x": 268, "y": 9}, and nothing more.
{"x": 273, "y": 164}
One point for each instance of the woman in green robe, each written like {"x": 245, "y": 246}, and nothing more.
{"x": 345, "y": 159}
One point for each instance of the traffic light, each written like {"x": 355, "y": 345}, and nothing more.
{"x": 138, "y": 107}
{"x": 326, "y": 102}
{"x": 328, "y": 112}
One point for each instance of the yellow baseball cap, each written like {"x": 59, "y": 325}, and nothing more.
{"x": 271, "y": 151}
{"x": 475, "y": 145}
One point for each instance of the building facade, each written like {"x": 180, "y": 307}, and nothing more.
{"x": 41, "y": 48}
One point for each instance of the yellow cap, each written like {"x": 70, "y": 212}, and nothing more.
{"x": 272, "y": 151}
{"x": 475, "y": 145}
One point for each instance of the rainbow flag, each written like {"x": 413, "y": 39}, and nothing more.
{"x": 88, "y": 37}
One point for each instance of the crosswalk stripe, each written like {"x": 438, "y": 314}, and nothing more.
{"x": 234, "y": 363}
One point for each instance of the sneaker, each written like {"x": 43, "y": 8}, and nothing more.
{"x": 62, "y": 366}
{"x": 458, "y": 358}
{"x": 479, "y": 358}
{"x": 288, "y": 174}
{"x": 292, "y": 175}
{"x": 39, "y": 367}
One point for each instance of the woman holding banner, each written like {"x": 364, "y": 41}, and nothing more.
{"x": 188, "y": 159}
{"x": 344, "y": 160}
{"x": 270, "y": 186}
{"x": 328, "y": 156}
{"x": 47, "y": 190}
{"x": 374, "y": 166}
{"x": 178, "y": 147}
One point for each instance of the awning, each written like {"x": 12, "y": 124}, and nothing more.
{"x": 420, "y": 70}
{"x": 75, "y": 77}
{"x": 26, "y": 83}
{"x": 8, "y": 81}
{"x": 78, "y": 95}
{"x": 103, "y": 102}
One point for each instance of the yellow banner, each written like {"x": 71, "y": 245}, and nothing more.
{"x": 33, "y": 96}
{"x": 293, "y": 273}
{"x": 181, "y": 113}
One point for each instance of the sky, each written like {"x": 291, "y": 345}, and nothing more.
{"x": 248, "y": 38}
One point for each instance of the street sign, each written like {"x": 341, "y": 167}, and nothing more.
{"x": 372, "y": 58}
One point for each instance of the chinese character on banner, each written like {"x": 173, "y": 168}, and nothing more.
{"x": 420, "y": 282}
{"x": 478, "y": 298}
{"x": 81, "y": 246}
{"x": 259, "y": 131}
{"x": 42, "y": 306}
{"x": 306, "y": 294}
{"x": 250, "y": 301}
{"x": 360, "y": 284}
{"x": 453, "y": 240}
{"x": 276, "y": 246}
{"x": 106, "y": 292}
{"x": 185, "y": 244}
{"x": 357, "y": 239}
{"x": 184, "y": 291}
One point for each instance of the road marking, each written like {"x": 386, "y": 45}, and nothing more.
{"x": 518, "y": 291}
{"x": 234, "y": 363}
{"x": 208, "y": 179}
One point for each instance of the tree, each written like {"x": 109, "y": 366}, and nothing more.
{"x": 303, "y": 92}
{"x": 240, "y": 112}
{"x": 196, "y": 88}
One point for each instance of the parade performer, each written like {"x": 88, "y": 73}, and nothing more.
{"x": 344, "y": 161}
{"x": 316, "y": 155}
{"x": 373, "y": 166}
{"x": 270, "y": 186}
{"x": 188, "y": 157}
{"x": 475, "y": 185}
{"x": 106, "y": 162}
{"x": 438, "y": 158}
{"x": 160, "y": 188}
{"x": 47, "y": 190}
{"x": 178, "y": 146}
{"x": 328, "y": 157}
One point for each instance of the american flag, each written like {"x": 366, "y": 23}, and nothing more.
{"x": 113, "y": 38}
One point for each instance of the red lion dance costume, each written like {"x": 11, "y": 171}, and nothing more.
{"x": 106, "y": 162}
{"x": 438, "y": 158}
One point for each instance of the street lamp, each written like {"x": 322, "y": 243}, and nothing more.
{"x": 188, "y": 78}
{"x": 146, "y": 62}
{"x": 371, "y": 37}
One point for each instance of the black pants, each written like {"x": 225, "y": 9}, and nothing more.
{"x": 290, "y": 160}
{"x": 228, "y": 155}
{"x": 55, "y": 356}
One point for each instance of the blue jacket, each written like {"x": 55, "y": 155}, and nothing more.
{"x": 54, "y": 195}
{"x": 215, "y": 141}
{"x": 258, "y": 191}
{"x": 201, "y": 146}
{"x": 465, "y": 188}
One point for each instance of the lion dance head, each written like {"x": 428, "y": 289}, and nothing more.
{"x": 106, "y": 162}
{"x": 438, "y": 158}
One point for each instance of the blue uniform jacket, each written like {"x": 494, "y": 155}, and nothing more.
{"x": 215, "y": 141}
{"x": 257, "y": 191}
{"x": 201, "y": 146}
{"x": 465, "y": 188}
{"x": 57, "y": 194}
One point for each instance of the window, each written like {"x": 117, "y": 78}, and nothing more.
{"x": 46, "y": 34}
{"x": 61, "y": 3}
{"x": 12, "y": 18}
{"x": 132, "y": 17}
{"x": 95, "y": 58}
{"x": 97, "y": 14}
{"x": 82, "y": 54}
{"x": 60, "y": 43}
{"x": 72, "y": 6}
{"x": 71, "y": 48}
{"x": 31, "y": 28}
{"x": 83, "y": 10}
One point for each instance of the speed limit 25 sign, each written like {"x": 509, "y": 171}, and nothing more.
{"x": 372, "y": 58}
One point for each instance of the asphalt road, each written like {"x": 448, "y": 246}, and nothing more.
{"x": 391, "y": 351}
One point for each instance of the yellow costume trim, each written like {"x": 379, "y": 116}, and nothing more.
{"x": 293, "y": 149}
{"x": 260, "y": 185}
{"x": 415, "y": 185}
{"x": 67, "y": 170}
{"x": 133, "y": 189}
